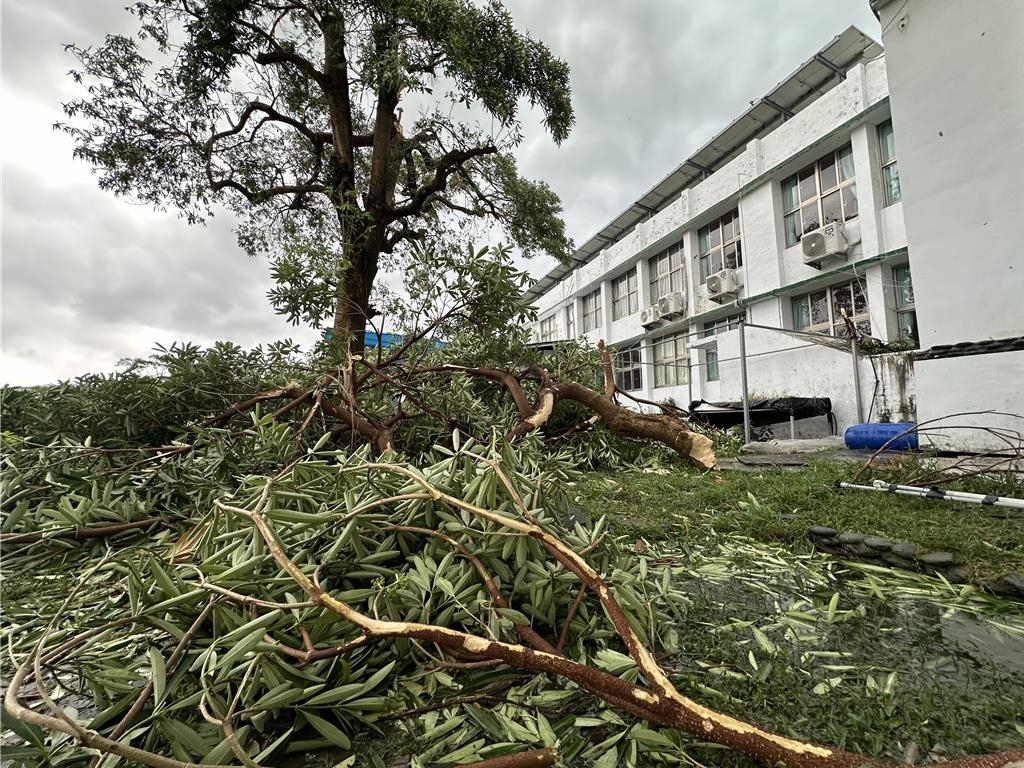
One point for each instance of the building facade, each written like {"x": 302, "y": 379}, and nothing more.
{"x": 957, "y": 84}
{"x": 790, "y": 219}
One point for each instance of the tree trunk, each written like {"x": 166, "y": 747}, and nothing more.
{"x": 352, "y": 306}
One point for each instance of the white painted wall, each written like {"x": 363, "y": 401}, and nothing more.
{"x": 957, "y": 81}
{"x": 957, "y": 87}
{"x": 964, "y": 384}
{"x": 894, "y": 394}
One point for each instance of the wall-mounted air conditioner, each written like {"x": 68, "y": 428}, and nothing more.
{"x": 723, "y": 284}
{"x": 650, "y": 316}
{"x": 672, "y": 304}
{"x": 824, "y": 243}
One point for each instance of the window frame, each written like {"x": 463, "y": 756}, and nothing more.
{"x": 548, "y": 328}
{"x": 672, "y": 369}
{"x": 570, "y": 321}
{"x": 905, "y": 306}
{"x": 892, "y": 193}
{"x": 592, "y": 311}
{"x": 625, "y": 303}
{"x": 722, "y": 324}
{"x": 666, "y": 269}
{"x": 628, "y": 368}
{"x": 709, "y": 246}
{"x": 711, "y": 364}
{"x": 832, "y": 306}
{"x": 845, "y": 187}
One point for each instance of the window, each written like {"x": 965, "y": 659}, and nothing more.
{"x": 628, "y": 372}
{"x": 592, "y": 310}
{"x": 906, "y": 317}
{"x": 823, "y": 192}
{"x": 721, "y": 325}
{"x": 711, "y": 361}
{"x": 671, "y": 360}
{"x": 666, "y": 271}
{"x": 570, "y": 321}
{"x": 713, "y": 328}
{"x": 547, "y": 329}
{"x": 822, "y": 311}
{"x": 625, "y": 299}
{"x": 720, "y": 245}
{"x": 890, "y": 173}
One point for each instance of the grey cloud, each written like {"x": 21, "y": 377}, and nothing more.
{"x": 35, "y": 33}
{"x": 654, "y": 80}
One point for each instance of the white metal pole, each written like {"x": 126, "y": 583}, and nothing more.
{"x": 743, "y": 382}
{"x": 856, "y": 380}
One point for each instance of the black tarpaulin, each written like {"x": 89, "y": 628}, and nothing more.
{"x": 762, "y": 412}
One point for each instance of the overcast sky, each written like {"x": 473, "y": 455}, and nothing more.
{"x": 89, "y": 279}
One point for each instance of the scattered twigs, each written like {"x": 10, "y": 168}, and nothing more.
{"x": 526, "y": 633}
{"x": 317, "y": 402}
{"x": 667, "y": 408}
{"x": 273, "y": 394}
{"x": 580, "y": 427}
{"x": 308, "y": 655}
{"x": 624, "y": 422}
{"x": 1014, "y": 440}
{"x": 407, "y": 392}
{"x": 531, "y": 758}
{"x": 983, "y": 465}
{"x": 31, "y": 669}
{"x": 172, "y": 661}
{"x": 249, "y": 600}
{"x": 660, "y": 703}
{"x": 606, "y": 367}
{"x": 81, "y": 533}
{"x": 563, "y": 637}
{"x": 226, "y": 723}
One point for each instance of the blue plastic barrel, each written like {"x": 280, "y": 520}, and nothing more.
{"x": 874, "y": 435}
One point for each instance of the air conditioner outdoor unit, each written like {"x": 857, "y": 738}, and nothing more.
{"x": 824, "y": 243}
{"x": 650, "y": 316}
{"x": 722, "y": 284}
{"x": 672, "y": 304}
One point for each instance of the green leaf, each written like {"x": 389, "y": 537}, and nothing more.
{"x": 282, "y": 739}
{"x": 547, "y": 733}
{"x": 762, "y": 640}
{"x": 239, "y": 649}
{"x": 444, "y": 728}
{"x": 651, "y": 738}
{"x": 833, "y": 604}
{"x": 328, "y": 730}
{"x": 516, "y": 617}
{"x": 30, "y": 733}
{"x": 487, "y": 721}
{"x": 156, "y": 666}
{"x": 182, "y": 734}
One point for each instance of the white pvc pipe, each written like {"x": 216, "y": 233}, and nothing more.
{"x": 938, "y": 493}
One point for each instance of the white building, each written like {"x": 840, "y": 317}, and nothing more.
{"x": 957, "y": 81}
{"x": 728, "y": 235}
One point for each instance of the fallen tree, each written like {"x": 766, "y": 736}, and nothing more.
{"x": 331, "y": 548}
{"x": 401, "y": 573}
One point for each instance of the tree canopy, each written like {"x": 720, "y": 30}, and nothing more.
{"x": 294, "y": 116}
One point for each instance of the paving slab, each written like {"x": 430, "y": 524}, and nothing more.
{"x": 809, "y": 445}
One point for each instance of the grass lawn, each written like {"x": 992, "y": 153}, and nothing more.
{"x": 682, "y": 504}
